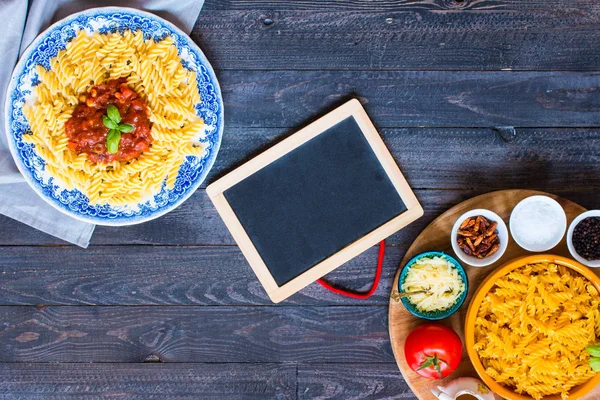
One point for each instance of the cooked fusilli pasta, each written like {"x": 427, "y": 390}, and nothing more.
{"x": 533, "y": 326}
{"x": 154, "y": 70}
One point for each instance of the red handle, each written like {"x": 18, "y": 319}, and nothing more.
{"x": 368, "y": 294}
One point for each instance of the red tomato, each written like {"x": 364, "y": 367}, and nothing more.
{"x": 433, "y": 350}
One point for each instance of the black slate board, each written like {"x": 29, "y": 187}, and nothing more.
{"x": 315, "y": 200}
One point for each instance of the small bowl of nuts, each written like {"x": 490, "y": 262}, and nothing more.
{"x": 479, "y": 237}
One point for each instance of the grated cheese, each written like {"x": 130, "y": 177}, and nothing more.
{"x": 438, "y": 276}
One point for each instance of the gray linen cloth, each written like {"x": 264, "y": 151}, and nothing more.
{"x": 22, "y": 22}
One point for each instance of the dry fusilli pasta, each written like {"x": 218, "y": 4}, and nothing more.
{"x": 533, "y": 326}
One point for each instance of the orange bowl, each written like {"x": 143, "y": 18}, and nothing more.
{"x": 577, "y": 391}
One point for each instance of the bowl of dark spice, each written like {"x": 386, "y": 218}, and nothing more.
{"x": 583, "y": 238}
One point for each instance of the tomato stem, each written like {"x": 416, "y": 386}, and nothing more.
{"x": 432, "y": 361}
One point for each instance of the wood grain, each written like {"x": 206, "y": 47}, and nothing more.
{"x": 387, "y": 34}
{"x": 352, "y": 381}
{"x": 408, "y": 98}
{"x": 142, "y": 275}
{"x": 185, "y": 381}
{"x": 194, "y": 334}
{"x": 389, "y": 5}
{"x": 457, "y": 158}
{"x": 197, "y": 223}
{"x": 437, "y": 237}
{"x": 281, "y": 64}
{"x": 147, "y": 381}
{"x": 557, "y": 160}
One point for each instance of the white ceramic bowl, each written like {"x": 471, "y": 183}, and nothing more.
{"x": 538, "y": 247}
{"x": 592, "y": 213}
{"x": 502, "y": 235}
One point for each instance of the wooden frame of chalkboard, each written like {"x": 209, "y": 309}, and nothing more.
{"x": 278, "y": 292}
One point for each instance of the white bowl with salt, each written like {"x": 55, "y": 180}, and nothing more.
{"x": 538, "y": 223}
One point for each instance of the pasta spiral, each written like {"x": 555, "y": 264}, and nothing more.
{"x": 154, "y": 70}
{"x": 533, "y": 326}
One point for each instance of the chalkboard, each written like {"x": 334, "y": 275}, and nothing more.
{"x": 315, "y": 200}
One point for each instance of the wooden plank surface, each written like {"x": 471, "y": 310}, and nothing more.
{"x": 148, "y": 381}
{"x": 388, "y": 34}
{"x": 431, "y": 158}
{"x": 197, "y": 223}
{"x": 448, "y": 158}
{"x": 361, "y": 381}
{"x": 195, "y": 334}
{"x": 414, "y": 98}
{"x": 434, "y": 75}
{"x": 352, "y": 381}
{"x": 165, "y": 275}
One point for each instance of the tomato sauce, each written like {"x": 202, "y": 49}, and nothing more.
{"x": 87, "y": 133}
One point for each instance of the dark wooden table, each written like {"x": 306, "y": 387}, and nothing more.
{"x": 470, "y": 96}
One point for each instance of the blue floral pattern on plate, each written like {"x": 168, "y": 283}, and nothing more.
{"x": 46, "y": 46}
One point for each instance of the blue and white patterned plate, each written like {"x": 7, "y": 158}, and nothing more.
{"x": 72, "y": 202}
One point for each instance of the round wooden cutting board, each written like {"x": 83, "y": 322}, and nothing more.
{"x": 437, "y": 237}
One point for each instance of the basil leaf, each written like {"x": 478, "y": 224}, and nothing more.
{"x": 112, "y": 141}
{"x": 594, "y": 350}
{"x": 125, "y": 128}
{"x": 595, "y": 363}
{"x": 113, "y": 113}
{"x": 109, "y": 123}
